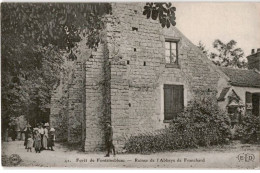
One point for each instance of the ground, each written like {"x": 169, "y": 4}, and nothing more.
{"x": 235, "y": 155}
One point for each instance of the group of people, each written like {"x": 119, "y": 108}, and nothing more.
{"x": 41, "y": 137}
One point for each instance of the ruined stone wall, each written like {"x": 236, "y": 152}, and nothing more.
{"x": 123, "y": 79}
{"x": 138, "y": 76}
{"x": 67, "y": 103}
{"x": 68, "y": 99}
{"x": 59, "y": 107}
{"x": 94, "y": 94}
{"x": 75, "y": 106}
{"x": 105, "y": 89}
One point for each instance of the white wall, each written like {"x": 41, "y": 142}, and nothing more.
{"x": 240, "y": 91}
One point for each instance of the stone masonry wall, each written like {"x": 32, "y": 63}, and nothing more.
{"x": 75, "y": 107}
{"x": 119, "y": 88}
{"x": 94, "y": 90}
{"x": 68, "y": 100}
{"x": 123, "y": 79}
{"x": 59, "y": 107}
{"x": 138, "y": 76}
{"x": 67, "y": 103}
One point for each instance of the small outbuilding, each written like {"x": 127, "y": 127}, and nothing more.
{"x": 239, "y": 90}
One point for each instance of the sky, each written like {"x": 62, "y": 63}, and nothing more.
{"x": 205, "y": 22}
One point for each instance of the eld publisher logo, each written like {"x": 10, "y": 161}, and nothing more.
{"x": 246, "y": 157}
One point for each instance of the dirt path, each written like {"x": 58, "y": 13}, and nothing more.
{"x": 214, "y": 157}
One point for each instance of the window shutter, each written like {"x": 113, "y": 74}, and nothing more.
{"x": 248, "y": 101}
{"x": 173, "y": 101}
{"x": 248, "y": 97}
{"x": 168, "y": 100}
{"x": 255, "y": 104}
{"x": 178, "y": 99}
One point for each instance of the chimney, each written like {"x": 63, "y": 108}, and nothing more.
{"x": 254, "y": 59}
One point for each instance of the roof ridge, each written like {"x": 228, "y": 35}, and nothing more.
{"x": 242, "y": 77}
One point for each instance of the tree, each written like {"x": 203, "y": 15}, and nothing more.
{"x": 34, "y": 35}
{"x": 202, "y": 47}
{"x": 228, "y": 55}
{"x": 164, "y": 12}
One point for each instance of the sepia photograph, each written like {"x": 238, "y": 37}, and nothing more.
{"x": 130, "y": 85}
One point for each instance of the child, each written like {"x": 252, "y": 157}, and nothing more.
{"x": 27, "y": 132}
{"x": 29, "y": 143}
{"x": 37, "y": 141}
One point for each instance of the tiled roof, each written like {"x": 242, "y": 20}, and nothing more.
{"x": 223, "y": 94}
{"x": 241, "y": 77}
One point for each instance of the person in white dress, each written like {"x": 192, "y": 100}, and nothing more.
{"x": 45, "y": 136}
{"x": 41, "y": 132}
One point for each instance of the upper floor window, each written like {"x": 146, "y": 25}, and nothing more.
{"x": 171, "y": 51}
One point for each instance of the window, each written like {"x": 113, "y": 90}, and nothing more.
{"x": 173, "y": 101}
{"x": 171, "y": 51}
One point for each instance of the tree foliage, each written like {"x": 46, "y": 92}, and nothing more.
{"x": 58, "y": 24}
{"x": 164, "y": 12}
{"x": 228, "y": 55}
{"x": 34, "y": 38}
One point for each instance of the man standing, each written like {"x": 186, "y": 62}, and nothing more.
{"x": 109, "y": 139}
{"x": 41, "y": 132}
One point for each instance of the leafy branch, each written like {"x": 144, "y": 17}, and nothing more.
{"x": 164, "y": 12}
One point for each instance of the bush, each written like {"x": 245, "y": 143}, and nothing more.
{"x": 246, "y": 131}
{"x": 202, "y": 123}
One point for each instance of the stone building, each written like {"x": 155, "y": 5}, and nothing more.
{"x": 140, "y": 76}
{"x": 240, "y": 89}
